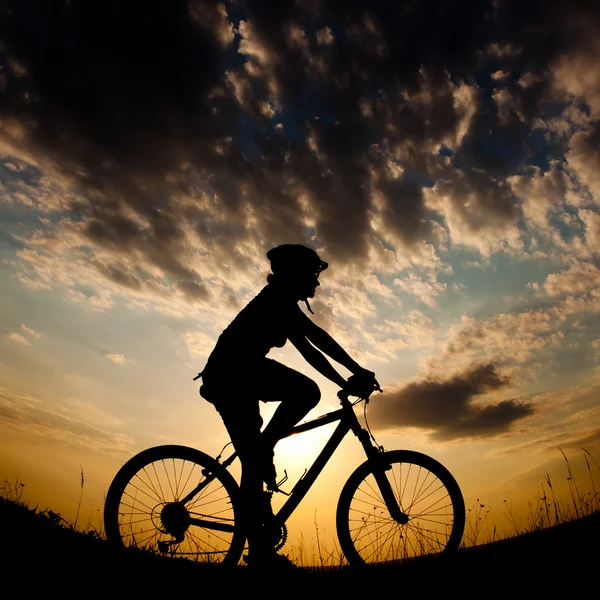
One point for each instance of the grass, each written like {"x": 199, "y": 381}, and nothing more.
{"x": 559, "y": 532}
{"x": 547, "y": 508}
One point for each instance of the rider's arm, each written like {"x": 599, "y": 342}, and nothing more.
{"x": 316, "y": 359}
{"x": 324, "y": 342}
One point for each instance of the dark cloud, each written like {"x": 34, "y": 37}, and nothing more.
{"x": 479, "y": 200}
{"x": 112, "y": 230}
{"x": 119, "y": 274}
{"x": 193, "y": 290}
{"x": 449, "y": 408}
{"x": 253, "y": 104}
{"x": 496, "y": 155}
{"x": 404, "y": 213}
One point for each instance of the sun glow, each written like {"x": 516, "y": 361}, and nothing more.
{"x": 299, "y": 451}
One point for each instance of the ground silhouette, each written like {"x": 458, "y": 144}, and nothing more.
{"x": 39, "y": 553}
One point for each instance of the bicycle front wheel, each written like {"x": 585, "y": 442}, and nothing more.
{"x": 176, "y": 501}
{"x": 430, "y": 500}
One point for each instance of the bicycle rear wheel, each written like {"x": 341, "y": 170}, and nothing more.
{"x": 426, "y": 493}
{"x": 176, "y": 501}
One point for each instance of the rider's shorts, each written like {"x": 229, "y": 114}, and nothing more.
{"x": 264, "y": 379}
{"x": 236, "y": 393}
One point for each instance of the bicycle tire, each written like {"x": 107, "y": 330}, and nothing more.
{"x": 427, "y": 493}
{"x": 143, "y": 506}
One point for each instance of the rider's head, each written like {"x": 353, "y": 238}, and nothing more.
{"x": 297, "y": 267}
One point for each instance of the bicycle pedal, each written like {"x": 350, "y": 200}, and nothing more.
{"x": 283, "y": 479}
{"x": 273, "y": 489}
{"x": 277, "y": 489}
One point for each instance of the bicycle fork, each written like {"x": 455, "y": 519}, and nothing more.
{"x": 380, "y": 468}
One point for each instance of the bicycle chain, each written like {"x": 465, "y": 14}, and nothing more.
{"x": 281, "y": 540}
{"x": 211, "y": 517}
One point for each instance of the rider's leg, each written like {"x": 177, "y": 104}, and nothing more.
{"x": 268, "y": 381}
{"x": 298, "y": 395}
{"x": 271, "y": 381}
{"x": 243, "y": 423}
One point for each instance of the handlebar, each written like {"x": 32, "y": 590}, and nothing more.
{"x": 344, "y": 393}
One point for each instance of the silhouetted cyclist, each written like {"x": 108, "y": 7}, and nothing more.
{"x": 238, "y": 375}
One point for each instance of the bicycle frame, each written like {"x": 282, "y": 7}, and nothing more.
{"x": 348, "y": 421}
{"x": 369, "y": 519}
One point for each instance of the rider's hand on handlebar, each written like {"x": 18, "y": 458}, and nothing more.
{"x": 362, "y": 384}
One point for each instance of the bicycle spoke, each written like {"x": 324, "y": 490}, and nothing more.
{"x": 135, "y": 499}
{"x": 189, "y": 476}
{"x": 130, "y": 522}
{"x": 369, "y": 534}
{"x": 162, "y": 494}
{"x": 173, "y": 494}
{"x": 206, "y": 542}
{"x": 135, "y": 535}
{"x": 437, "y": 512}
{"x": 420, "y": 531}
{"x": 179, "y": 478}
{"x": 205, "y": 496}
{"x": 381, "y": 542}
{"x": 149, "y": 484}
{"x": 373, "y": 495}
{"x": 145, "y": 511}
{"x": 156, "y": 498}
{"x": 419, "y": 485}
{"x": 422, "y": 498}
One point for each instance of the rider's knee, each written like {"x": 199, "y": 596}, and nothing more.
{"x": 311, "y": 394}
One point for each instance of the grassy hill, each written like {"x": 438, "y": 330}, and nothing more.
{"x": 39, "y": 553}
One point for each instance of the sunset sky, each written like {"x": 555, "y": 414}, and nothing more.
{"x": 442, "y": 157}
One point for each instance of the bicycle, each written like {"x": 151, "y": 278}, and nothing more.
{"x": 178, "y": 501}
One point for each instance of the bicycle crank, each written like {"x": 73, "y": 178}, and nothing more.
{"x": 282, "y": 538}
{"x": 277, "y": 536}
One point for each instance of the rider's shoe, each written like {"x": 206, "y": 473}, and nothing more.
{"x": 269, "y": 560}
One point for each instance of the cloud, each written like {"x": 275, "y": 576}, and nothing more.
{"x": 28, "y": 414}
{"x": 18, "y": 338}
{"x": 591, "y": 222}
{"x": 578, "y": 279}
{"x": 508, "y": 339}
{"x": 21, "y": 339}
{"x": 118, "y": 359}
{"x": 478, "y": 208}
{"x": 426, "y": 289}
{"x": 30, "y": 332}
{"x": 169, "y": 170}
{"x": 565, "y": 417}
{"x": 214, "y": 18}
{"x": 415, "y": 331}
{"x": 575, "y": 72}
{"x": 541, "y": 194}
{"x": 198, "y": 343}
{"x": 583, "y": 158}
{"x": 589, "y": 439}
{"x": 449, "y": 408}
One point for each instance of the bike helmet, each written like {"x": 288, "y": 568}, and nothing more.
{"x": 291, "y": 259}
